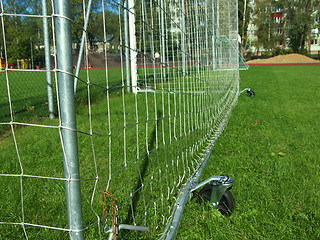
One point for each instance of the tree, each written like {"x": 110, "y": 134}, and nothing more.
{"x": 264, "y": 24}
{"x": 244, "y": 14}
{"x": 18, "y": 29}
{"x": 77, "y": 15}
{"x": 269, "y": 23}
{"x": 21, "y": 33}
{"x": 95, "y": 29}
{"x": 299, "y": 22}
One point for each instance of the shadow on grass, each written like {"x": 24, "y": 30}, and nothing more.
{"x": 24, "y": 110}
{"x": 142, "y": 173}
{"x": 97, "y": 93}
{"x": 32, "y": 108}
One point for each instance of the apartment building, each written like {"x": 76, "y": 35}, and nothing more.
{"x": 278, "y": 29}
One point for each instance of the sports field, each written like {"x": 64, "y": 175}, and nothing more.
{"x": 134, "y": 144}
{"x": 28, "y": 92}
{"x": 271, "y": 147}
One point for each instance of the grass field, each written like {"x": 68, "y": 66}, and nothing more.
{"x": 271, "y": 147}
{"x": 28, "y": 91}
{"x": 142, "y": 148}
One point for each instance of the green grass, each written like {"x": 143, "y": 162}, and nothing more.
{"x": 167, "y": 135}
{"x": 28, "y": 93}
{"x": 271, "y": 147}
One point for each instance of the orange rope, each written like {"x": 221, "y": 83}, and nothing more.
{"x": 105, "y": 194}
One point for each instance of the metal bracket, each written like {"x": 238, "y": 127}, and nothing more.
{"x": 220, "y": 184}
{"x": 250, "y": 92}
{"x": 126, "y": 227}
{"x": 133, "y": 228}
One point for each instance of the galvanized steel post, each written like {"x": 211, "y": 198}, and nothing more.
{"x": 82, "y": 45}
{"x": 126, "y": 44}
{"x": 68, "y": 117}
{"x": 183, "y": 37}
{"x": 133, "y": 46}
{"x": 47, "y": 58}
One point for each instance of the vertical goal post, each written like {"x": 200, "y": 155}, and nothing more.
{"x": 67, "y": 117}
{"x": 141, "y": 90}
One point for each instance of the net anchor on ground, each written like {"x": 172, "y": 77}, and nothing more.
{"x": 112, "y": 231}
{"x": 216, "y": 190}
{"x": 115, "y": 228}
{"x": 250, "y": 92}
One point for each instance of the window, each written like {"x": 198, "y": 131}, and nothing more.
{"x": 278, "y": 19}
{"x": 314, "y": 41}
{"x": 278, "y": 31}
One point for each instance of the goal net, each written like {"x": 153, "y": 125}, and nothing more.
{"x": 137, "y": 91}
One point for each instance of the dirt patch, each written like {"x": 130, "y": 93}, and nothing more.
{"x": 284, "y": 59}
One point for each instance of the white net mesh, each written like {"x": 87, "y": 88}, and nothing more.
{"x": 151, "y": 95}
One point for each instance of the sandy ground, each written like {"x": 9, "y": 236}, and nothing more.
{"x": 282, "y": 59}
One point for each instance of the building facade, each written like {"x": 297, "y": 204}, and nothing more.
{"x": 276, "y": 22}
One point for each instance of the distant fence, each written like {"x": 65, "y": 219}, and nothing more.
{"x": 28, "y": 88}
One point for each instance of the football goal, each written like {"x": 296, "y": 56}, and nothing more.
{"x": 107, "y": 126}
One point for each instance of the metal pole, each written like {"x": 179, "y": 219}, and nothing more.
{"x": 31, "y": 47}
{"x": 47, "y": 59}
{"x": 133, "y": 46}
{"x": 236, "y": 44}
{"x": 163, "y": 40}
{"x": 230, "y": 50}
{"x": 126, "y": 44}
{"x": 183, "y": 40}
{"x": 82, "y": 45}
{"x": 218, "y": 48}
{"x": 150, "y": 35}
{"x": 207, "y": 35}
{"x": 214, "y": 36}
{"x": 197, "y": 51}
{"x": 68, "y": 118}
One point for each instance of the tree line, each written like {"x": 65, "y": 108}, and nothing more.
{"x": 21, "y": 35}
{"x": 291, "y": 31}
